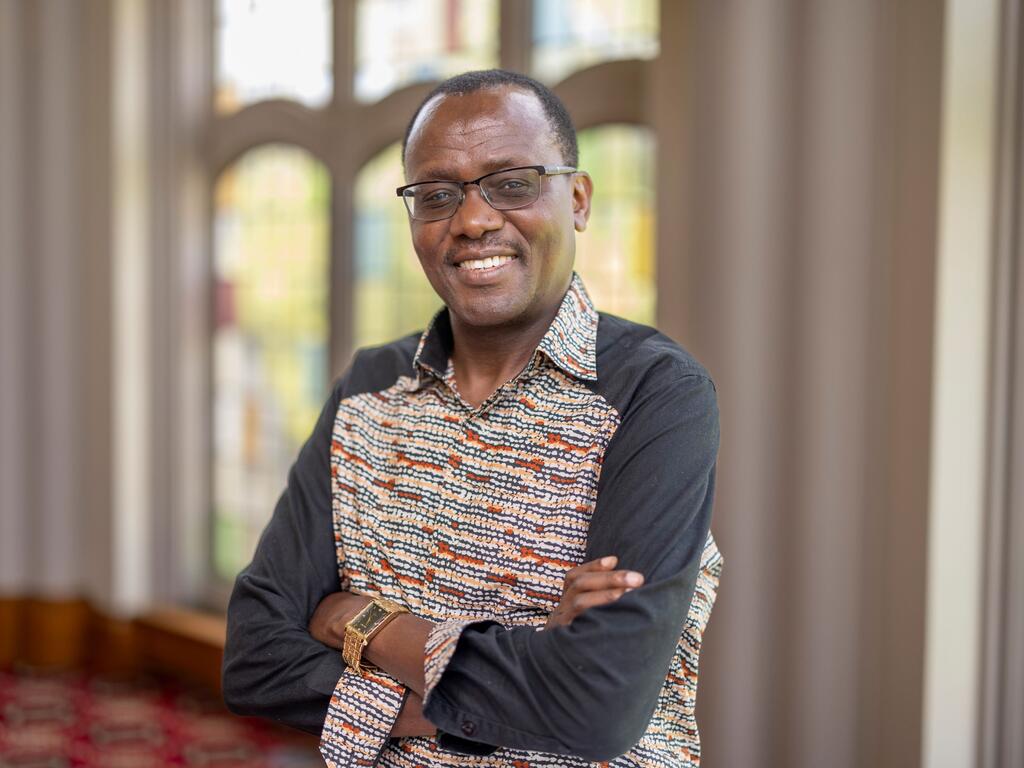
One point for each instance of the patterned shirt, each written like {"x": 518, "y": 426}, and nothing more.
{"x": 605, "y": 443}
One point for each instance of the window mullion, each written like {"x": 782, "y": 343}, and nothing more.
{"x": 516, "y": 35}
{"x": 344, "y": 52}
{"x": 344, "y": 114}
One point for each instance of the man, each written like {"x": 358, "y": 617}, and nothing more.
{"x": 528, "y": 486}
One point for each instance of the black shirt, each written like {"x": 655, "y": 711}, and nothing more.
{"x": 605, "y": 444}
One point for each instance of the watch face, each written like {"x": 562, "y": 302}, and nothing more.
{"x": 368, "y": 618}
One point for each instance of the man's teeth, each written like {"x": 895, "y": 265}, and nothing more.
{"x": 490, "y": 261}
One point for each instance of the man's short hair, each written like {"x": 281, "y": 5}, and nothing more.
{"x": 554, "y": 109}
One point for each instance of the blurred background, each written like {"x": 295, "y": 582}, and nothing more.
{"x": 821, "y": 200}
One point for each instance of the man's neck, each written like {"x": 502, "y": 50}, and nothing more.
{"x": 486, "y": 358}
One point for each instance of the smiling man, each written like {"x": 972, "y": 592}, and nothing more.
{"x": 496, "y": 542}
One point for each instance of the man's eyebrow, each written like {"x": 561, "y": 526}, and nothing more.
{"x": 444, "y": 173}
{"x": 435, "y": 174}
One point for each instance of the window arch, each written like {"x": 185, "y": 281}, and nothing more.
{"x": 270, "y": 335}
{"x": 344, "y": 106}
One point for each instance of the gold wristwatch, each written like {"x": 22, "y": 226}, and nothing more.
{"x": 360, "y": 630}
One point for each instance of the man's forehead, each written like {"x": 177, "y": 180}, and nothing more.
{"x": 483, "y": 106}
{"x": 488, "y": 112}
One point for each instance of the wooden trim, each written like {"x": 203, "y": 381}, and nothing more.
{"x": 55, "y": 634}
{"x": 10, "y": 635}
{"x": 73, "y": 634}
{"x": 184, "y": 643}
{"x": 112, "y": 648}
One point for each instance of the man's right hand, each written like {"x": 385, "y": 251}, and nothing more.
{"x": 589, "y": 584}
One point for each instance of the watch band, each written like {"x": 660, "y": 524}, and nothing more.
{"x": 361, "y": 629}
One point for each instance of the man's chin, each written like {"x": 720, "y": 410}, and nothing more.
{"x": 487, "y": 313}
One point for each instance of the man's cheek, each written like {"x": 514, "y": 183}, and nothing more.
{"x": 430, "y": 246}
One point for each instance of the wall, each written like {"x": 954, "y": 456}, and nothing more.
{"x": 799, "y": 157}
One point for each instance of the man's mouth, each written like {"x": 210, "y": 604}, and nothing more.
{"x": 487, "y": 262}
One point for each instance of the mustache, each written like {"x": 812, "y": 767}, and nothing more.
{"x": 465, "y": 244}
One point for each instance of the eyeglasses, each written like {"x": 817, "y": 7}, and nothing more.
{"x": 503, "y": 190}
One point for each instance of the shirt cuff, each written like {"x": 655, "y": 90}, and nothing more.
{"x": 437, "y": 653}
{"x": 360, "y": 718}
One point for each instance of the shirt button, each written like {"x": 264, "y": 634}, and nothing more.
{"x": 468, "y": 727}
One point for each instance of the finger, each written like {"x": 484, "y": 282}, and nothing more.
{"x": 599, "y": 564}
{"x": 592, "y": 599}
{"x": 590, "y": 582}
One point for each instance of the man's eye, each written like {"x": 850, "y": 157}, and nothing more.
{"x": 513, "y": 186}
{"x": 436, "y": 197}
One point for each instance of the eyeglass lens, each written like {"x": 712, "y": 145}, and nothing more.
{"x": 504, "y": 191}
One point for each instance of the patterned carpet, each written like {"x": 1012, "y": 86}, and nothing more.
{"x": 58, "y": 720}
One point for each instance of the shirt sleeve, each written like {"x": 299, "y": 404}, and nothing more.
{"x": 272, "y": 666}
{"x": 360, "y": 717}
{"x": 589, "y": 689}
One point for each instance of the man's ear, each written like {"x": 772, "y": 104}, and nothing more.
{"x": 582, "y": 191}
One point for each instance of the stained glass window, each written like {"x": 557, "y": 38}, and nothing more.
{"x": 273, "y": 49}
{"x": 271, "y": 264}
{"x": 392, "y": 296}
{"x": 270, "y": 339}
{"x": 572, "y": 34}
{"x": 615, "y": 256}
{"x": 399, "y": 42}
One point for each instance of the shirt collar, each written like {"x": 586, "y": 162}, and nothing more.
{"x": 570, "y": 342}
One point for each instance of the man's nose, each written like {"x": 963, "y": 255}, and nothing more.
{"x": 475, "y": 216}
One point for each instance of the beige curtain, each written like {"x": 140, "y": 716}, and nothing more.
{"x": 807, "y": 250}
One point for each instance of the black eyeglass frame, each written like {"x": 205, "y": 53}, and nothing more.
{"x": 542, "y": 170}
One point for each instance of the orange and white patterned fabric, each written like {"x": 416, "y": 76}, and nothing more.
{"x": 470, "y": 517}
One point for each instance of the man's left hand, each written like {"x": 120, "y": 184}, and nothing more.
{"x": 590, "y": 584}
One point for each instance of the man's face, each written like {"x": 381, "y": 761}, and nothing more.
{"x": 463, "y": 137}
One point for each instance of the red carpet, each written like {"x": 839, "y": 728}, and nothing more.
{"x": 53, "y": 721}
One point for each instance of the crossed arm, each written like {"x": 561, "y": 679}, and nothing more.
{"x": 560, "y": 684}
{"x": 399, "y": 647}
